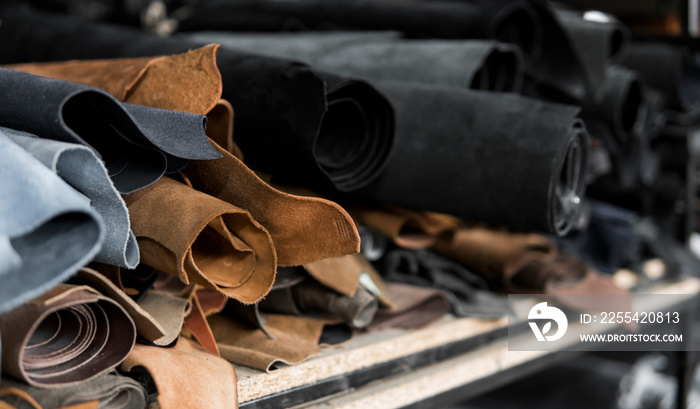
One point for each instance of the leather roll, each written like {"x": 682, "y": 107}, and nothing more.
{"x": 68, "y": 335}
{"x": 618, "y": 105}
{"x": 72, "y": 162}
{"x": 202, "y": 240}
{"x": 475, "y": 64}
{"x": 71, "y": 112}
{"x": 550, "y": 61}
{"x": 288, "y": 218}
{"x": 296, "y": 124}
{"x": 498, "y": 158}
{"x": 47, "y": 229}
{"x": 674, "y": 72}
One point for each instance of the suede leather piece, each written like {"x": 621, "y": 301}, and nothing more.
{"x": 71, "y": 112}
{"x": 169, "y": 311}
{"x": 146, "y": 325}
{"x": 498, "y": 158}
{"x": 407, "y": 228}
{"x": 112, "y": 391}
{"x": 474, "y": 64}
{"x": 285, "y": 112}
{"x": 205, "y": 303}
{"x": 531, "y": 25}
{"x": 495, "y": 255}
{"x": 47, "y": 229}
{"x": 68, "y": 335}
{"x": 214, "y": 244}
{"x": 341, "y": 274}
{"x": 180, "y": 135}
{"x": 211, "y": 381}
{"x": 294, "y": 339}
{"x": 80, "y": 167}
{"x": 414, "y": 307}
{"x": 187, "y": 82}
{"x": 288, "y": 218}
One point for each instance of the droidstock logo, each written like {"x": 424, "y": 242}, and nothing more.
{"x": 544, "y": 313}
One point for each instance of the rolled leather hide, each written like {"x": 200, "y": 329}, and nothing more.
{"x": 674, "y": 72}
{"x": 531, "y": 25}
{"x": 202, "y": 240}
{"x": 498, "y": 158}
{"x": 82, "y": 169}
{"x": 47, "y": 229}
{"x": 475, "y": 64}
{"x": 68, "y": 335}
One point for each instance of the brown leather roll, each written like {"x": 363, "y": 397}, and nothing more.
{"x": 68, "y": 335}
{"x": 202, "y": 240}
{"x": 304, "y": 229}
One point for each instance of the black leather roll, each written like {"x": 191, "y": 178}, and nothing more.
{"x": 617, "y": 103}
{"x": 671, "y": 69}
{"x": 551, "y": 63}
{"x": 476, "y": 64}
{"x": 493, "y": 157}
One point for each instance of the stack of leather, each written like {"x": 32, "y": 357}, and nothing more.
{"x": 176, "y": 203}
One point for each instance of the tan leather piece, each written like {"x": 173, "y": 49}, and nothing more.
{"x": 170, "y": 312}
{"x": 196, "y": 323}
{"x": 210, "y": 301}
{"x": 146, "y": 324}
{"x": 494, "y": 254}
{"x": 94, "y": 334}
{"x": 202, "y": 240}
{"x": 295, "y": 339}
{"x": 407, "y": 228}
{"x": 304, "y": 229}
{"x": 341, "y": 274}
{"x": 414, "y": 307}
{"x": 189, "y": 82}
{"x": 220, "y": 127}
{"x": 186, "y": 376}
